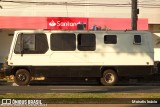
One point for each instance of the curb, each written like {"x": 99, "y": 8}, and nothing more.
{"x": 3, "y": 82}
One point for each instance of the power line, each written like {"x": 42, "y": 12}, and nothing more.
{"x": 144, "y": 4}
{"x": 61, "y": 3}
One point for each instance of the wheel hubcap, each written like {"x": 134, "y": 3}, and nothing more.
{"x": 21, "y": 77}
{"x": 109, "y": 78}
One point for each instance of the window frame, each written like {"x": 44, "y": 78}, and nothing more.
{"x": 134, "y": 40}
{"x": 63, "y": 34}
{"x": 110, "y": 42}
{"x": 80, "y": 46}
{"x": 22, "y": 51}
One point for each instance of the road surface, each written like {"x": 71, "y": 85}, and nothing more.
{"x": 79, "y": 89}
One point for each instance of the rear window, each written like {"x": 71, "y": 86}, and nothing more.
{"x": 137, "y": 39}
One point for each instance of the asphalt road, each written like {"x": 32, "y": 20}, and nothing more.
{"x": 79, "y": 89}
{"x": 36, "y": 87}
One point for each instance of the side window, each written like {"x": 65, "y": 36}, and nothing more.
{"x": 137, "y": 39}
{"x": 86, "y": 42}
{"x": 18, "y": 45}
{"x": 110, "y": 39}
{"x": 63, "y": 42}
{"x": 31, "y": 43}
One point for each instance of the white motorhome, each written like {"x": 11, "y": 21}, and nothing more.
{"x": 107, "y": 55}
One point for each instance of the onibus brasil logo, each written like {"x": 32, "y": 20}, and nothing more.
{"x": 17, "y": 102}
{"x": 59, "y": 23}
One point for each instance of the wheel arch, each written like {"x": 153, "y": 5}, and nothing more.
{"x": 14, "y": 70}
{"x": 103, "y": 68}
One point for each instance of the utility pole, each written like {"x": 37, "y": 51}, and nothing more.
{"x": 135, "y": 12}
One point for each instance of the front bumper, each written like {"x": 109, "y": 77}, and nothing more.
{"x": 6, "y": 69}
{"x": 2, "y": 74}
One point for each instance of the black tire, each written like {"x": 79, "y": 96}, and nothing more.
{"x": 109, "y": 78}
{"x": 22, "y": 77}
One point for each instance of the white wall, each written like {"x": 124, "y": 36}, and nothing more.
{"x": 30, "y": 9}
{"x": 5, "y": 43}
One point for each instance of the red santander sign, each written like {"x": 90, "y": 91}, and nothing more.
{"x": 65, "y": 23}
{"x": 70, "y": 23}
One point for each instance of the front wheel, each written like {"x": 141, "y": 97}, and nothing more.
{"x": 109, "y": 78}
{"x": 22, "y": 77}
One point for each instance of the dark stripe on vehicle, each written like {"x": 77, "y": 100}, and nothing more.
{"x": 89, "y": 71}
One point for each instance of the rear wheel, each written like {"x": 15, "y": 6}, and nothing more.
{"x": 22, "y": 77}
{"x": 109, "y": 78}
